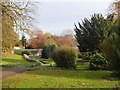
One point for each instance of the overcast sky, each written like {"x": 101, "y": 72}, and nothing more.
{"x": 55, "y": 17}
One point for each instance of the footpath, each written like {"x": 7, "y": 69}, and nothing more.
{"x": 7, "y": 72}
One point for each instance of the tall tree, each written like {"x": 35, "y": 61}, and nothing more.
{"x": 9, "y": 37}
{"x": 90, "y": 33}
{"x": 111, "y": 44}
{"x": 23, "y": 41}
{"x": 18, "y": 13}
{"x": 15, "y": 16}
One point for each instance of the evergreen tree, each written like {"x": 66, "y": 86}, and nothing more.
{"x": 111, "y": 47}
{"x": 23, "y": 41}
{"x": 90, "y": 33}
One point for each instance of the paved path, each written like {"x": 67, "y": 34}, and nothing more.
{"x": 7, "y": 72}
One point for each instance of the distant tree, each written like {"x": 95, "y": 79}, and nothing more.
{"x": 68, "y": 33}
{"x": 23, "y": 41}
{"x": 32, "y": 44}
{"x": 50, "y": 41}
{"x": 35, "y": 32}
{"x": 65, "y": 40}
{"x": 36, "y": 40}
{"x": 41, "y": 40}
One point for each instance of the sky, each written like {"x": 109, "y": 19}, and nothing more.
{"x": 60, "y": 15}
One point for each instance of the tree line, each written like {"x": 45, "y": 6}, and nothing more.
{"x": 39, "y": 40}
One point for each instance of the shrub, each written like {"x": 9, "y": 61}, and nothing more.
{"x": 47, "y": 50}
{"x": 64, "y": 56}
{"x": 85, "y": 55}
{"x": 98, "y": 62}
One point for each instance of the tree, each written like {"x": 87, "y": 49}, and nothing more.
{"x": 65, "y": 40}
{"x": 9, "y": 37}
{"x": 111, "y": 47}
{"x": 32, "y": 44}
{"x": 68, "y": 33}
{"x": 40, "y": 40}
{"x": 23, "y": 41}
{"x": 15, "y": 17}
{"x": 115, "y": 8}
{"x": 18, "y": 13}
{"x": 91, "y": 33}
{"x": 50, "y": 41}
{"x": 111, "y": 44}
{"x": 36, "y": 40}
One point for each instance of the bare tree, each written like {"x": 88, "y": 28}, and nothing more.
{"x": 18, "y": 13}
{"x": 115, "y": 8}
{"x": 68, "y": 32}
{"x": 15, "y": 16}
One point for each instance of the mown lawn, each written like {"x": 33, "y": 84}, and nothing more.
{"x": 14, "y": 60}
{"x": 52, "y": 77}
{"x": 56, "y": 78}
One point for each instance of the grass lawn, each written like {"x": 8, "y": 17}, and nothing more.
{"x": 52, "y": 77}
{"x": 14, "y": 60}
{"x": 56, "y": 78}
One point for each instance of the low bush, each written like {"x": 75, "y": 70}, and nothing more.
{"x": 85, "y": 55}
{"x": 98, "y": 62}
{"x": 47, "y": 50}
{"x": 64, "y": 56}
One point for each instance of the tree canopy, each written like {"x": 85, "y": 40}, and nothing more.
{"x": 15, "y": 17}
{"x": 91, "y": 32}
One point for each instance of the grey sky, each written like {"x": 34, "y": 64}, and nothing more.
{"x": 55, "y": 17}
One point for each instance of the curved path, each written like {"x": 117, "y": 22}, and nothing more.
{"x": 7, "y": 72}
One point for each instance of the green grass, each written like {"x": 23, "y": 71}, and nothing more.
{"x": 52, "y": 77}
{"x": 56, "y": 78}
{"x": 14, "y": 60}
